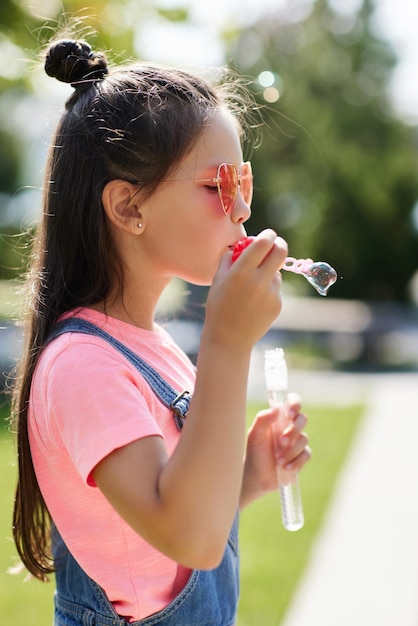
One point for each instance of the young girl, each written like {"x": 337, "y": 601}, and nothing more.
{"x": 129, "y": 501}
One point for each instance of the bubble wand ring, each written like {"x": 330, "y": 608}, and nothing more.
{"x": 298, "y": 266}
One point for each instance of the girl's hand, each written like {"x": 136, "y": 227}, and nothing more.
{"x": 245, "y": 297}
{"x": 266, "y": 449}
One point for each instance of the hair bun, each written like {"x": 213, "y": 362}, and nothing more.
{"x": 74, "y": 62}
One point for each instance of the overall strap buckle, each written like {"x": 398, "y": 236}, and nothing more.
{"x": 180, "y": 407}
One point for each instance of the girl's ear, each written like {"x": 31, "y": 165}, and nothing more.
{"x": 121, "y": 202}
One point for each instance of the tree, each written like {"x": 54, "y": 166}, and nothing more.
{"x": 23, "y": 36}
{"x": 337, "y": 173}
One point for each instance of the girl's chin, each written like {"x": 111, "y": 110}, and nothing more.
{"x": 199, "y": 282}
{"x": 200, "y": 279}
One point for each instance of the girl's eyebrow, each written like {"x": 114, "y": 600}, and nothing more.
{"x": 199, "y": 174}
{"x": 208, "y": 172}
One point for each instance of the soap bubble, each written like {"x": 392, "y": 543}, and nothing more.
{"x": 319, "y": 274}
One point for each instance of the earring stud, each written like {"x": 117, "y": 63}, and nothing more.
{"x": 139, "y": 224}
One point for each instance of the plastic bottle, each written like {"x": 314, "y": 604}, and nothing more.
{"x": 275, "y": 370}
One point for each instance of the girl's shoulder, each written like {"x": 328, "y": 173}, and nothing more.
{"x": 74, "y": 353}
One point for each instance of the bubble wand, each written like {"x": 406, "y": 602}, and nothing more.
{"x": 319, "y": 274}
{"x": 275, "y": 371}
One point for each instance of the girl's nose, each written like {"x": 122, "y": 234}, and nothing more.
{"x": 241, "y": 211}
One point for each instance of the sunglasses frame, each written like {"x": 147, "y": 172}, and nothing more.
{"x": 218, "y": 180}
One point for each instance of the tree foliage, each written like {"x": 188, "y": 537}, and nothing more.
{"x": 336, "y": 174}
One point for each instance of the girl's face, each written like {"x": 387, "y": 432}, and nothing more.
{"x": 186, "y": 230}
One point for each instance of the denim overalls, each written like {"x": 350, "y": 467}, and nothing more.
{"x": 209, "y": 598}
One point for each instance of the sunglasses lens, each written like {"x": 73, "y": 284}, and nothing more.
{"x": 228, "y": 186}
{"x": 247, "y": 183}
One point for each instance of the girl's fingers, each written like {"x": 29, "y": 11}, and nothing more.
{"x": 294, "y": 403}
{"x": 267, "y": 250}
{"x": 293, "y": 429}
{"x": 296, "y": 453}
{"x": 298, "y": 462}
{"x": 293, "y": 442}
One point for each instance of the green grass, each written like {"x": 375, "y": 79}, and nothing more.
{"x": 272, "y": 559}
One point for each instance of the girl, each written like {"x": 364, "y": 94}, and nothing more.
{"x": 132, "y": 504}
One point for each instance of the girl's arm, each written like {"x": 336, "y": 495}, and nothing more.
{"x": 184, "y": 505}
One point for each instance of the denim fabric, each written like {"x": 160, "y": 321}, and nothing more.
{"x": 209, "y": 598}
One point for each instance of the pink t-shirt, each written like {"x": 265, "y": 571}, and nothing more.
{"x": 87, "y": 401}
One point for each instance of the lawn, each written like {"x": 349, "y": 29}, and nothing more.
{"x": 272, "y": 559}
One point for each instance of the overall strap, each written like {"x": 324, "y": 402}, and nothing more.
{"x": 178, "y": 402}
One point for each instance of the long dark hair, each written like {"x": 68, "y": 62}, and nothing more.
{"x": 136, "y": 123}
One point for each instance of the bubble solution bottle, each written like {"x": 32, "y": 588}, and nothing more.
{"x": 275, "y": 370}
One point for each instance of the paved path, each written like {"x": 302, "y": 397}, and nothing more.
{"x": 363, "y": 569}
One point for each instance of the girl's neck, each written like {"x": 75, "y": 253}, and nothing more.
{"x": 134, "y": 306}
{"x": 123, "y": 313}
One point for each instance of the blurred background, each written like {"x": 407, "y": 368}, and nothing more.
{"x": 335, "y": 172}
